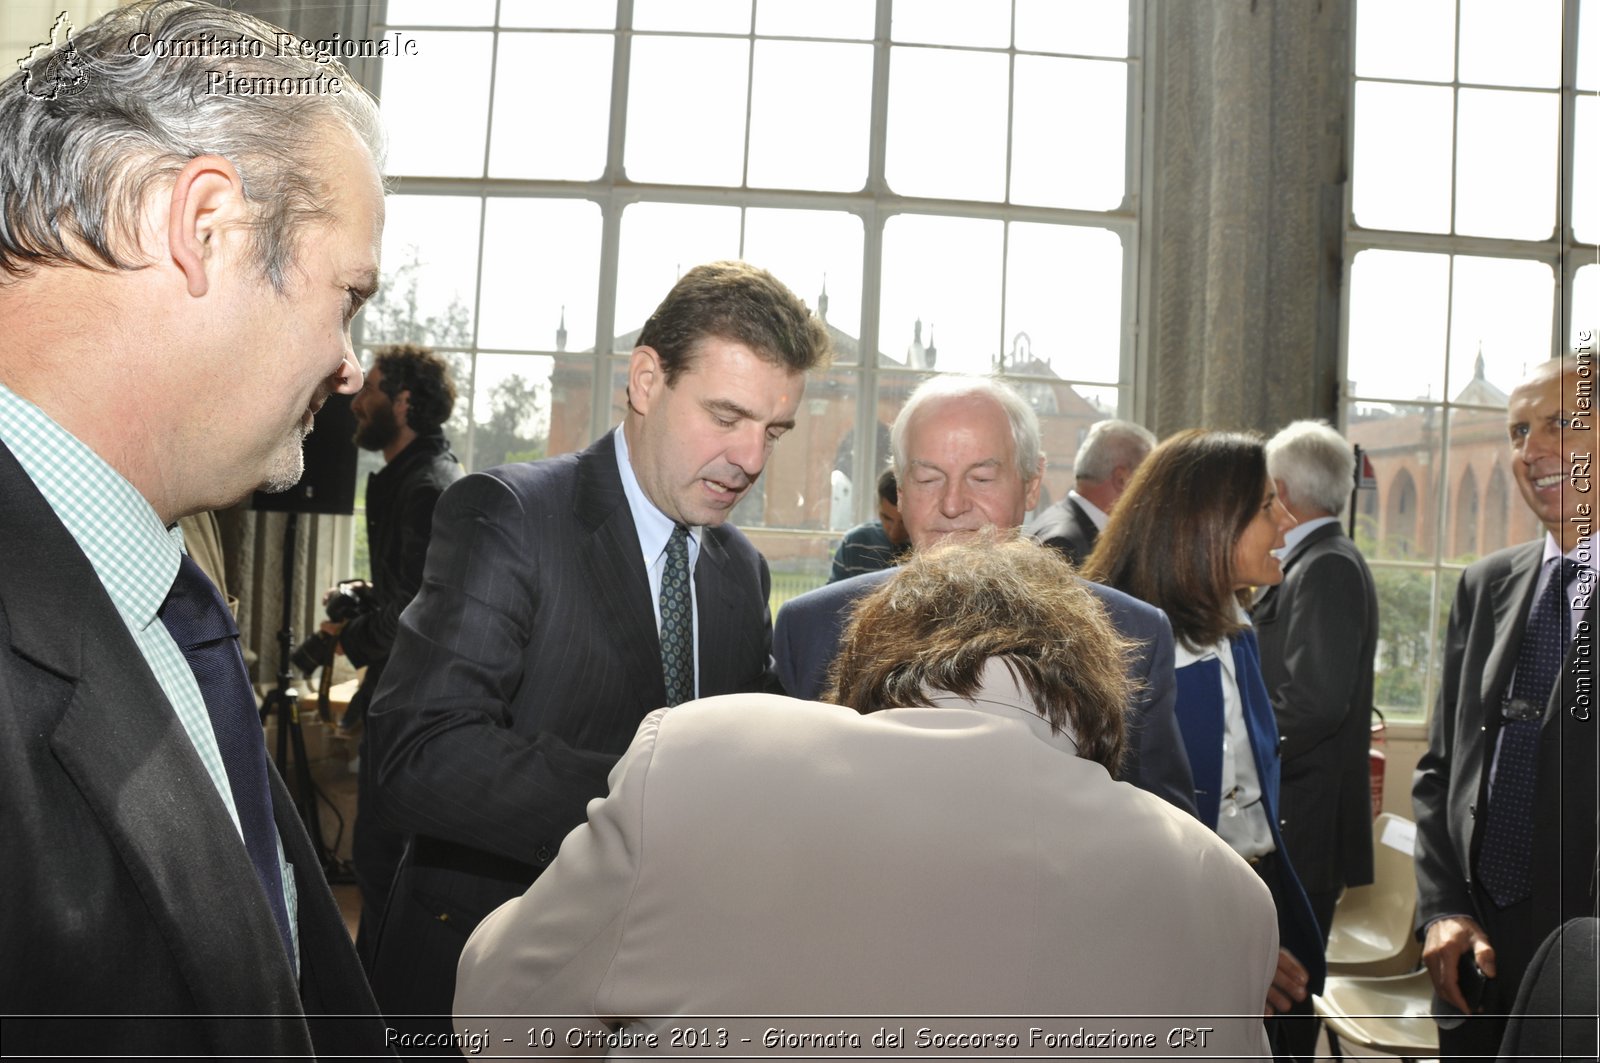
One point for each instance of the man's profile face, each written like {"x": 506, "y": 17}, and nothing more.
{"x": 1541, "y": 460}
{"x": 961, "y": 471}
{"x": 703, "y": 440}
{"x": 291, "y": 350}
{"x": 894, "y": 526}
{"x": 376, "y": 423}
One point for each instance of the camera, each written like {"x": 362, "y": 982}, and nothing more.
{"x": 350, "y": 599}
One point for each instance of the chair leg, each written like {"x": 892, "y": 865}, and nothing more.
{"x": 1334, "y": 1048}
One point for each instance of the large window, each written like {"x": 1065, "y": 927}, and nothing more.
{"x": 949, "y": 184}
{"x": 1474, "y": 214}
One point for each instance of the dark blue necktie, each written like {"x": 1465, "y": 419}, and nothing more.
{"x": 200, "y": 623}
{"x": 1505, "y": 863}
{"x": 677, "y": 620}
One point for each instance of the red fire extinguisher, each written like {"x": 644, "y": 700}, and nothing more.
{"x": 1376, "y": 760}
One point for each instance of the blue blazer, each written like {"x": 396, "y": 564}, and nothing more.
{"x": 1201, "y": 720}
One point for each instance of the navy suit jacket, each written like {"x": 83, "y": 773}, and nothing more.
{"x": 806, "y": 640}
{"x": 127, "y": 891}
{"x": 1202, "y": 717}
{"x": 519, "y": 675}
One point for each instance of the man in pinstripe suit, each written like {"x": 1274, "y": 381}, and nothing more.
{"x": 524, "y": 665}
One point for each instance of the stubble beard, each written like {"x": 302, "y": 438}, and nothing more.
{"x": 289, "y": 464}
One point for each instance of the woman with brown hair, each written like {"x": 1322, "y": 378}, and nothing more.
{"x": 1194, "y": 535}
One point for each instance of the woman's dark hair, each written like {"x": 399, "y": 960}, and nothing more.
{"x": 1170, "y": 539}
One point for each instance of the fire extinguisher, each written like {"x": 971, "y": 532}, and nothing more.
{"x": 1376, "y": 760}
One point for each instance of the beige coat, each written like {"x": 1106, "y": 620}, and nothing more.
{"x": 762, "y": 856}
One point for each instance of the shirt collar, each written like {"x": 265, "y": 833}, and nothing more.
{"x": 1000, "y": 694}
{"x": 117, "y": 529}
{"x": 1096, "y": 514}
{"x": 1583, "y": 553}
{"x": 1296, "y": 534}
{"x": 654, "y": 527}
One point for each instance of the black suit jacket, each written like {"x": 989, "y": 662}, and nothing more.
{"x": 1487, "y": 622}
{"x": 807, "y": 640}
{"x": 127, "y": 891}
{"x": 1066, "y": 527}
{"x": 1318, "y": 631}
{"x": 520, "y": 673}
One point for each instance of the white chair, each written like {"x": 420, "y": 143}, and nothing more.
{"x": 1373, "y": 925}
{"x": 1391, "y": 1016}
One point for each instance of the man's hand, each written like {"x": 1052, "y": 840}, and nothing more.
{"x": 1442, "y": 947}
{"x": 1288, "y": 984}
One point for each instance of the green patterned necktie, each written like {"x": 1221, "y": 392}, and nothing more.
{"x": 677, "y": 620}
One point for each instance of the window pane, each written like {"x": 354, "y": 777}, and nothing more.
{"x": 1589, "y": 45}
{"x": 1585, "y": 308}
{"x": 692, "y": 16}
{"x": 799, "y": 563}
{"x": 541, "y": 267}
{"x": 834, "y": 113}
{"x": 806, "y": 483}
{"x": 1397, "y": 324}
{"x": 571, "y": 394}
{"x": 559, "y": 14}
{"x": 1414, "y": 39}
{"x": 1506, "y": 164}
{"x": 815, "y": 18}
{"x": 952, "y": 22}
{"x": 686, "y": 110}
{"x": 531, "y": 139}
{"x": 660, "y": 243}
{"x": 1064, "y": 302}
{"x": 1586, "y": 171}
{"x": 1501, "y": 308}
{"x": 1402, "y": 157}
{"x": 947, "y": 130}
{"x": 430, "y": 266}
{"x": 510, "y": 409}
{"x": 940, "y": 307}
{"x": 1069, "y": 156}
{"x": 813, "y": 252}
{"x": 1511, "y": 42}
{"x": 433, "y": 13}
{"x": 1080, "y": 27}
{"x": 1403, "y": 443}
{"x": 432, "y": 132}
{"x": 1484, "y": 511}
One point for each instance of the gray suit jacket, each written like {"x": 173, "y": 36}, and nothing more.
{"x": 1066, "y": 527}
{"x": 127, "y": 891}
{"x": 806, "y": 640}
{"x": 520, "y": 673}
{"x": 1450, "y": 793}
{"x": 761, "y": 856}
{"x": 1318, "y": 631}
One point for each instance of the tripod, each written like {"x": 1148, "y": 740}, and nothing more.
{"x": 284, "y": 703}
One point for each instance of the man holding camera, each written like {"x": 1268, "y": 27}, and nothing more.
{"x": 400, "y": 410}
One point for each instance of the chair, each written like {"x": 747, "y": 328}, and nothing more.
{"x": 1392, "y": 1016}
{"x": 1373, "y": 926}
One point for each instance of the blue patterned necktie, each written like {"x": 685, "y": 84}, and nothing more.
{"x": 200, "y": 623}
{"x": 1506, "y": 859}
{"x": 677, "y": 620}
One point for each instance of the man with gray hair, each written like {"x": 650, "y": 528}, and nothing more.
{"x": 1318, "y": 631}
{"x": 178, "y": 272}
{"x": 967, "y": 454}
{"x": 1106, "y": 461}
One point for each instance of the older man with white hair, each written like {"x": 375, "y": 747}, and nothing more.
{"x": 1106, "y": 460}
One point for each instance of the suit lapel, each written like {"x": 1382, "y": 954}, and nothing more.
{"x": 119, "y": 742}
{"x": 714, "y": 612}
{"x": 1511, "y": 594}
{"x": 614, "y": 567}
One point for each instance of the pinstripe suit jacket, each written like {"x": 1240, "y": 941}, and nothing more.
{"x": 519, "y": 675}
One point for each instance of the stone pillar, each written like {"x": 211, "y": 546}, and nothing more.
{"x": 1244, "y": 216}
